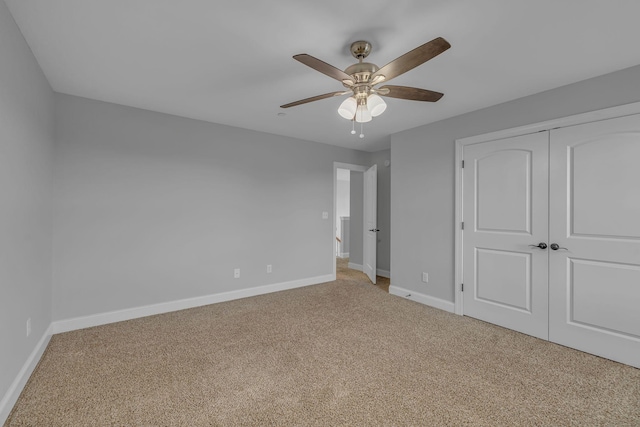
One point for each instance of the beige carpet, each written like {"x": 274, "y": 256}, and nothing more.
{"x": 344, "y": 272}
{"x": 340, "y": 353}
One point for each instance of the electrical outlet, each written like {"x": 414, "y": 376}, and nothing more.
{"x": 269, "y": 269}
{"x": 325, "y": 215}
{"x": 425, "y": 277}
{"x": 236, "y": 273}
{"x": 28, "y": 326}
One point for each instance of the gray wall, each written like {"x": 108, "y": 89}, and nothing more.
{"x": 26, "y": 143}
{"x": 383, "y": 251}
{"x": 150, "y": 208}
{"x": 356, "y": 193}
{"x": 422, "y": 173}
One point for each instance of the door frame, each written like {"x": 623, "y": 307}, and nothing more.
{"x": 370, "y": 219}
{"x": 336, "y": 166}
{"x": 577, "y": 119}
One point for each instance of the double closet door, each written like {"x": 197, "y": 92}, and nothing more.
{"x": 551, "y": 243}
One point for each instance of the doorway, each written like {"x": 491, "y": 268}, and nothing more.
{"x": 343, "y": 213}
{"x": 347, "y": 178}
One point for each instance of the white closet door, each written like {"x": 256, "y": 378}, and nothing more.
{"x": 594, "y": 301}
{"x": 505, "y": 207}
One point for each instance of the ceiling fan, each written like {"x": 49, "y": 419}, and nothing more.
{"x": 361, "y": 80}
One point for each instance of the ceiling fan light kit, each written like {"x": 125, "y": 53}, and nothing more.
{"x": 376, "y": 105}
{"x": 348, "y": 108}
{"x": 363, "y": 115}
{"x": 361, "y": 80}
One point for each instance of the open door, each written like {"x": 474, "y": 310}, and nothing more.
{"x": 370, "y": 204}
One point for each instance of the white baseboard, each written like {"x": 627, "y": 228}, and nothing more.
{"x": 343, "y": 254}
{"x": 379, "y": 272}
{"x": 11, "y": 396}
{"x": 383, "y": 273}
{"x": 422, "y": 298}
{"x": 66, "y": 325}
{"x": 355, "y": 266}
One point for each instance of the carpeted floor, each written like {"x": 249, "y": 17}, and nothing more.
{"x": 344, "y": 272}
{"x": 339, "y": 353}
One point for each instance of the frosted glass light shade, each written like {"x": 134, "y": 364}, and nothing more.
{"x": 348, "y": 108}
{"x": 376, "y": 105}
{"x": 362, "y": 114}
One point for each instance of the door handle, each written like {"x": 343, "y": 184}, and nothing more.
{"x": 374, "y": 230}
{"x": 556, "y": 246}
{"x": 541, "y": 245}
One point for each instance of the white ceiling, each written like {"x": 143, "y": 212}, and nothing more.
{"x": 229, "y": 61}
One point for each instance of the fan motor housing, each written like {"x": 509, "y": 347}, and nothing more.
{"x": 361, "y": 71}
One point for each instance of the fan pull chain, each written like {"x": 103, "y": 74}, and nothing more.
{"x": 353, "y": 126}
{"x": 361, "y": 130}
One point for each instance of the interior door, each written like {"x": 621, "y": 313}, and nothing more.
{"x": 370, "y": 203}
{"x": 505, "y": 207}
{"x": 595, "y": 221}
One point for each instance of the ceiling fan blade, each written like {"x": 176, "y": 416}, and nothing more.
{"x": 315, "y": 98}
{"x": 322, "y": 66}
{"x": 412, "y": 93}
{"x": 412, "y": 59}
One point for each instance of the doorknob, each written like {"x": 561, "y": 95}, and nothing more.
{"x": 541, "y": 245}
{"x": 374, "y": 230}
{"x": 556, "y": 246}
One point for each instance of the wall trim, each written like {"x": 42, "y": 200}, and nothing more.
{"x": 82, "y": 322}
{"x": 383, "y": 273}
{"x": 576, "y": 119}
{"x": 560, "y": 122}
{"x": 13, "y": 393}
{"x": 355, "y": 266}
{"x": 422, "y": 298}
{"x": 343, "y": 254}
{"x": 379, "y": 271}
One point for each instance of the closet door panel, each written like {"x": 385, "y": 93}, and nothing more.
{"x": 594, "y": 275}
{"x": 505, "y": 207}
